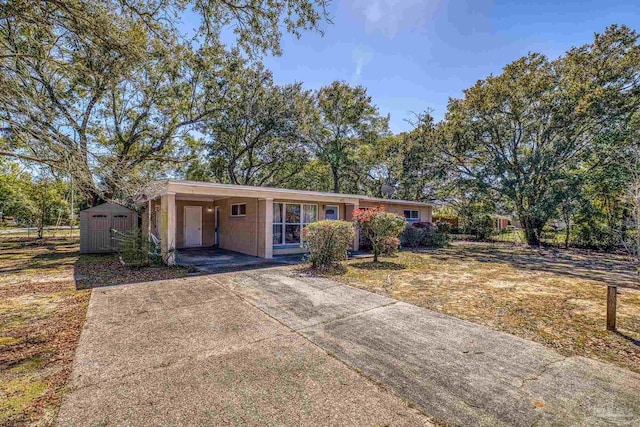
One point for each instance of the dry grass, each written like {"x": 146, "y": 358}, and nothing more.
{"x": 41, "y": 316}
{"x": 553, "y": 297}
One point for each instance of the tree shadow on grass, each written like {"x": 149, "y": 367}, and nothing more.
{"x": 379, "y": 265}
{"x": 98, "y": 270}
{"x": 632, "y": 340}
{"x": 579, "y": 264}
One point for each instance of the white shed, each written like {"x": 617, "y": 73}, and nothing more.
{"x": 97, "y": 225}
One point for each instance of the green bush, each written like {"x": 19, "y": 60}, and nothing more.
{"x": 437, "y": 239}
{"x": 411, "y": 237}
{"x": 444, "y": 227}
{"x": 328, "y": 242}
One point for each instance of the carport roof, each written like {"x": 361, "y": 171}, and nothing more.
{"x": 212, "y": 188}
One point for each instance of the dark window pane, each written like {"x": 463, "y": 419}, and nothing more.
{"x": 238, "y": 210}
{"x": 407, "y": 214}
{"x": 293, "y": 214}
{"x": 277, "y": 234}
{"x": 292, "y": 234}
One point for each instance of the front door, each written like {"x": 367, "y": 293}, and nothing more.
{"x": 331, "y": 212}
{"x": 193, "y": 225}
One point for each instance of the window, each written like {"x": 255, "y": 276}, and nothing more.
{"x": 331, "y": 212}
{"x": 239, "y": 209}
{"x": 288, "y": 221}
{"x": 412, "y": 215}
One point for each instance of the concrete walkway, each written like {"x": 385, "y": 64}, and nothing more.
{"x": 457, "y": 371}
{"x": 190, "y": 352}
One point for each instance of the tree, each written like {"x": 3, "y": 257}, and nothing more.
{"x": 345, "y": 117}
{"x": 257, "y": 138}
{"x": 106, "y": 91}
{"x": 381, "y": 228}
{"x": 518, "y": 134}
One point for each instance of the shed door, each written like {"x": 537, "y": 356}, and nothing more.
{"x": 120, "y": 222}
{"x": 193, "y": 225}
{"x": 99, "y": 231}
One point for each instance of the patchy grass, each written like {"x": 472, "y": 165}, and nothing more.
{"x": 554, "y": 297}
{"x": 41, "y": 316}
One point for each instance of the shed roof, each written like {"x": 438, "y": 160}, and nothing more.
{"x": 111, "y": 207}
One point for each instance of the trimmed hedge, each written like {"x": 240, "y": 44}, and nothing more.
{"x": 328, "y": 242}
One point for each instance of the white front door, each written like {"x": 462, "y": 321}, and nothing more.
{"x": 193, "y": 225}
{"x": 331, "y": 212}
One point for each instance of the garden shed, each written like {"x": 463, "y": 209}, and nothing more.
{"x": 97, "y": 225}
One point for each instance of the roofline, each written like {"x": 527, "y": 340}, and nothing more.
{"x": 289, "y": 192}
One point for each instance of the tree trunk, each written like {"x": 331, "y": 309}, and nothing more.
{"x": 532, "y": 229}
{"x": 567, "y": 234}
{"x": 336, "y": 179}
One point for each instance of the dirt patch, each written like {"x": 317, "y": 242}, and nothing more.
{"x": 553, "y": 297}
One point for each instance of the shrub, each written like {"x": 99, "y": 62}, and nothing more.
{"x": 380, "y": 228}
{"x": 437, "y": 239}
{"x": 411, "y": 237}
{"x": 444, "y": 227}
{"x": 328, "y": 242}
{"x": 134, "y": 249}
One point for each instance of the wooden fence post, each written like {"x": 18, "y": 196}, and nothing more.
{"x": 612, "y": 293}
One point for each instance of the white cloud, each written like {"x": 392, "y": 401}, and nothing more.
{"x": 362, "y": 55}
{"x": 392, "y": 16}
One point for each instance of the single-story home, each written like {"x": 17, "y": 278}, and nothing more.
{"x": 258, "y": 221}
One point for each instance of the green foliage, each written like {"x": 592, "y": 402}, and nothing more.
{"x": 476, "y": 218}
{"x": 257, "y": 139}
{"x": 444, "y": 227}
{"x": 437, "y": 239}
{"x": 411, "y": 236}
{"x": 328, "y": 242}
{"x": 520, "y": 134}
{"x": 107, "y": 92}
{"x": 381, "y": 228}
{"x": 135, "y": 250}
{"x": 344, "y": 118}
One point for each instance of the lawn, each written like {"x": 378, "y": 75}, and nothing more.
{"x": 554, "y": 297}
{"x": 41, "y": 316}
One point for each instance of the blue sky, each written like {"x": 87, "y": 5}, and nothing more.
{"x": 413, "y": 55}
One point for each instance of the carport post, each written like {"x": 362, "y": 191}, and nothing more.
{"x": 268, "y": 228}
{"x": 168, "y": 228}
{"x": 349, "y": 217}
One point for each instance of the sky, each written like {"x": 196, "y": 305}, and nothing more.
{"x": 413, "y": 55}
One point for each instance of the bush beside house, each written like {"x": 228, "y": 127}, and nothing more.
{"x": 424, "y": 234}
{"x": 328, "y": 242}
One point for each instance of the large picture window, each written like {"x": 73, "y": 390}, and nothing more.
{"x": 288, "y": 221}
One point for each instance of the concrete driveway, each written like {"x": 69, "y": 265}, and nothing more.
{"x": 190, "y": 352}
{"x": 274, "y": 347}
{"x": 456, "y": 371}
